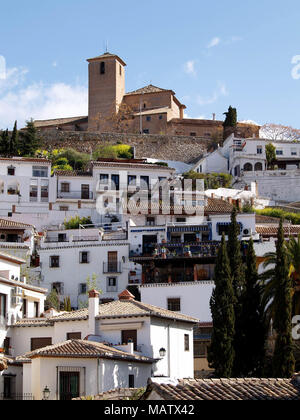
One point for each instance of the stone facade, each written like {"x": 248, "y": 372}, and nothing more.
{"x": 178, "y": 148}
{"x": 149, "y": 110}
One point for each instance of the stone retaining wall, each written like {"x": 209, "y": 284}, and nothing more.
{"x": 163, "y": 147}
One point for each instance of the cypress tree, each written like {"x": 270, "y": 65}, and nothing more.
{"x": 253, "y": 331}
{"x": 221, "y": 351}
{"x": 231, "y": 118}
{"x": 14, "y": 142}
{"x": 238, "y": 282}
{"x": 283, "y": 360}
{"x": 4, "y": 143}
{"x": 29, "y": 141}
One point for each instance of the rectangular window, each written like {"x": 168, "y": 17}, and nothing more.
{"x": 131, "y": 381}
{"x": 294, "y": 152}
{"x": 146, "y": 131}
{"x": 24, "y": 308}
{"x": 145, "y": 182}
{"x": 223, "y": 229}
{"x": 84, "y": 257}
{"x": 160, "y": 117}
{"x": 63, "y": 208}
{"x": 11, "y": 171}
{"x": 148, "y": 118}
{"x": 174, "y": 305}
{"x": 104, "y": 178}
{"x": 132, "y": 180}
{"x": 186, "y": 342}
{"x": 7, "y": 346}
{"x": 39, "y": 172}
{"x": 259, "y": 150}
{"x": 65, "y": 187}
{"x": 3, "y": 300}
{"x": 193, "y": 134}
{"x": 74, "y": 336}
{"x": 59, "y": 287}
{"x": 130, "y": 337}
{"x": 82, "y": 289}
{"x": 36, "y": 309}
{"x": 102, "y": 67}
{"x": 54, "y": 261}
{"x": 44, "y": 191}
{"x": 39, "y": 343}
{"x": 150, "y": 221}
{"x": 112, "y": 284}
{"x": 33, "y": 193}
{"x": 279, "y": 152}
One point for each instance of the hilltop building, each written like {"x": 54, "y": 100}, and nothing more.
{"x": 148, "y": 110}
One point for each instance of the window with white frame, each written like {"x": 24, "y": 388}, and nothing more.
{"x": 40, "y": 171}
{"x": 84, "y": 257}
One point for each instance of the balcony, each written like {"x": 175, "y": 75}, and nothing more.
{"x": 75, "y": 195}
{"x": 85, "y": 238}
{"x": 112, "y": 267}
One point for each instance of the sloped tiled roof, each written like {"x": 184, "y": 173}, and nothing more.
{"x": 218, "y": 206}
{"x": 11, "y": 224}
{"x": 228, "y": 389}
{"x": 58, "y": 121}
{"x": 272, "y": 230}
{"x": 121, "y": 165}
{"x": 126, "y": 308}
{"x": 63, "y": 173}
{"x": 148, "y": 89}
{"x": 85, "y": 349}
{"x": 26, "y": 160}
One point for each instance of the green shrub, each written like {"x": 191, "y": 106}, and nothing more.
{"x": 76, "y": 221}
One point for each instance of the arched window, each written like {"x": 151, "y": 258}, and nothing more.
{"x": 258, "y": 166}
{"x": 248, "y": 167}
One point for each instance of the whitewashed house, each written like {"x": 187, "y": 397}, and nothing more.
{"x": 102, "y": 347}
{"x": 71, "y": 260}
{"x": 247, "y": 163}
{"x": 25, "y": 185}
{"x": 18, "y": 300}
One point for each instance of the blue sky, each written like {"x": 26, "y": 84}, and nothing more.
{"x": 212, "y": 54}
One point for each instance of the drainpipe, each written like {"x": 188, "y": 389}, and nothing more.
{"x": 169, "y": 356}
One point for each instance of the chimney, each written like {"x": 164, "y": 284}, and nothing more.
{"x": 126, "y": 296}
{"x": 230, "y": 200}
{"x": 93, "y": 310}
{"x": 212, "y": 195}
{"x": 246, "y": 188}
{"x": 214, "y": 117}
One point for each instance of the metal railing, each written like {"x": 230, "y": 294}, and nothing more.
{"x": 81, "y": 195}
{"x": 112, "y": 267}
{"x": 16, "y": 397}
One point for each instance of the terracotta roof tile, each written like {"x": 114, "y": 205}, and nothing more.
{"x": 148, "y": 89}
{"x": 85, "y": 349}
{"x": 126, "y": 308}
{"x": 58, "y": 121}
{"x": 272, "y": 230}
{"x": 228, "y": 389}
{"x": 11, "y": 224}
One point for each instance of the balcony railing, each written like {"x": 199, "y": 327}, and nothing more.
{"x": 85, "y": 238}
{"x": 80, "y": 195}
{"x": 16, "y": 397}
{"x": 171, "y": 250}
{"x": 112, "y": 267}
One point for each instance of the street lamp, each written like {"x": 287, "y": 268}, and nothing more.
{"x": 46, "y": 394}
{"x": 162, "y": 352}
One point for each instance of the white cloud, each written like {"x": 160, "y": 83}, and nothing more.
{"x": 221, "y": 90}
{"x": 38, "y": 100}
{"x": 214, "y": 42}
{"x": 54, "y": 64}
{"x": 189, "y": 68}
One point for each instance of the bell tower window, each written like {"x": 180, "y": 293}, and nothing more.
{"x": 102, "y": 67}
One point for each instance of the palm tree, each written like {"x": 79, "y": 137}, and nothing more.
{"x": 268, "y": 277}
